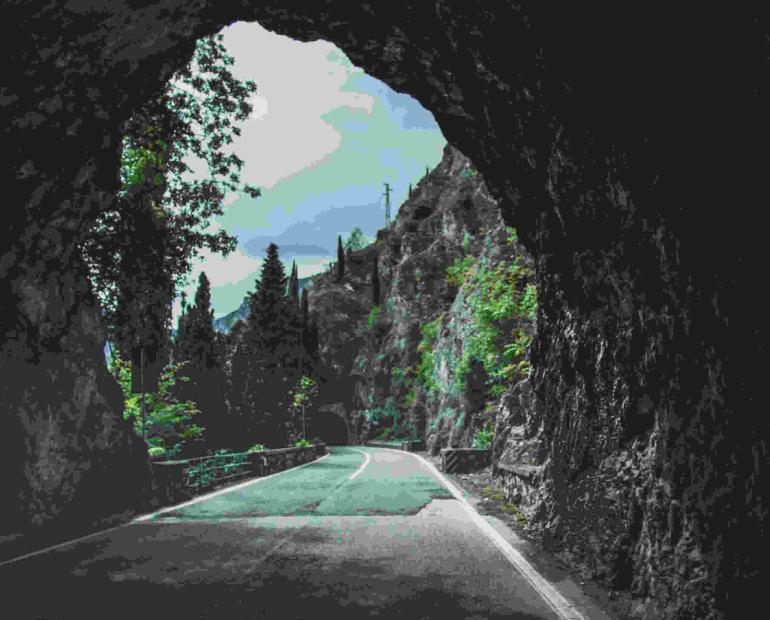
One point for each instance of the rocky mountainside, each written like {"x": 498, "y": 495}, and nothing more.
{"x": 401, "y": 368}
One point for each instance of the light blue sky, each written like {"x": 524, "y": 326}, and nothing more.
{"x": 323, "y": 138}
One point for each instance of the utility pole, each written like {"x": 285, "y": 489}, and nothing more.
{"x": 387, "y": 204}
{"x": 141, "y": 383}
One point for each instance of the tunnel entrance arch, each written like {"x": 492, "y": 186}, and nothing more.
{"x": 329, "y": 425}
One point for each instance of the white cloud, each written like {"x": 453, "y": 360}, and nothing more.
{"x": 220, "y": 271}
{"x": 297, "y": 83}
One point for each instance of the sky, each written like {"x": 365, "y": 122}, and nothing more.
{"x": 320, "y": 142}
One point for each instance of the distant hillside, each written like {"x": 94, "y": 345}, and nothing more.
{"x": 225, "y": 323}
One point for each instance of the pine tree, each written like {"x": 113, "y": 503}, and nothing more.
{"x": 267, "y": 357}
{"x": 340, "y": 259}
{"x": 375, "y": 282}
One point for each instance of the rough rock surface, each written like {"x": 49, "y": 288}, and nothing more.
{"x": 370, "y": 361}
{"x": 626, "y": 145}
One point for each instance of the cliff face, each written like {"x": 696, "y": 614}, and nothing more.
{"x": 68, "y": 455}
{"x": 372, "y": 353}
{"x": 625, "y": 146}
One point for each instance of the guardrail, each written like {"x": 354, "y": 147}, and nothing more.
{"x": 179, "y": 480}
{"x": 463, "y": 460}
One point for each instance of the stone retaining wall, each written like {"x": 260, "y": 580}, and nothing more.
{"x": 410, "y": 445}
{"x": 172, "y": 478}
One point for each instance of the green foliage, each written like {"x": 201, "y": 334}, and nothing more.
{"x": 357, "y": 240}
{"x": 137, "y": 160}
{"x": 372, "y": 318}
{"x": 257, "y": 447}
{"x": 157, "y": 452}
{"x": 169, "y": 423}
{"x": 467, "y": 241}
{"x": 512, "y": 235}
{"x": 457, "y": 273}
{"x": 389, "y": 422}
{"x": 499, "y": 306}
{"x": 402, "y": 376}
{"x": 302, "y": 443}
{"x": 195, "y": 118}
{"x": 443, "y": 414}
{"x": 483, "y": 437}
{"x": 301, "y": 398}
{"x": 426, "y": 374}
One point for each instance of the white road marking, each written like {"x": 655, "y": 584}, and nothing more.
{"x": 158, "y": 512}
{"x": 361, "y": 469}
{"x": 58, "y": 545}
{"x": 563, "y": 608}
{"x": 236, "y": 487}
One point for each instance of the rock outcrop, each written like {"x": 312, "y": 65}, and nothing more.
{"x": 371, "y": 352}
{"x": 625, "y": 144}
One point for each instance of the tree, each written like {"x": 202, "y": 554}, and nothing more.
{"x": 375, "y": 282}
{"x": 340, "y": 259}
{"x": 142, "y": 246}
{"x": 168, "y": 426}
{"x": 196, "y": 338}
{"x": 294, "y": 285}
{"x": 267, "y": 357}
{"x": 304, "y": 391}
{"x": 356, "y": 241}
{"x": 197, "y": 351}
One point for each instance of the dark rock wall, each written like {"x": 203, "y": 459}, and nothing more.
{"x": 625, "y": 145}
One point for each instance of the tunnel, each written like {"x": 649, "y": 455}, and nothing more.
{"x": 329, "y": 428}
{"x": 620, "y": 141}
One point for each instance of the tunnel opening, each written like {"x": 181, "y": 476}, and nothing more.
{"x": 330, "y": 428}
{"x": 586, "y": 188}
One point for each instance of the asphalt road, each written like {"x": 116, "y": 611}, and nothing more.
{"x": 365, "y": 532}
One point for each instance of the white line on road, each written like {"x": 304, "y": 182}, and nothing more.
{"x": 58, "y": 545}
{"x": 237, "y": 487}
{"x": 563, "y": 608}
{"x": 149, "y": 516}
{"x": 361, "y": 469}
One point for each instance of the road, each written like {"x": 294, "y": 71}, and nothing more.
{"x": 364, "y": 532}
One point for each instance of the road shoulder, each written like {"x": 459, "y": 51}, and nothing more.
{"x": 482, "y": 491}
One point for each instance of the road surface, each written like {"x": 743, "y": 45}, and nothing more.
{"x": 365, "y": 532}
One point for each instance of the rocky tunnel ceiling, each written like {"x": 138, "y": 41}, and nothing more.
{"x": 625, "y": 144}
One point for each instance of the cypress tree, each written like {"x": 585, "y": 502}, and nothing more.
{"x": 197, "y": 350}
{"x": 294, "y": 285}
{"x": 203, "y": 350}
{"x": 375, "y": 282}
{"x": 340, "y": 259}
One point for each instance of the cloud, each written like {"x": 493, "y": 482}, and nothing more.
{"x": 321, "y": 140}
{"x": 230, "y": 278}
{"x": 297, "y": 83}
